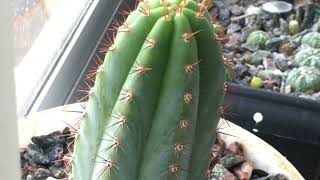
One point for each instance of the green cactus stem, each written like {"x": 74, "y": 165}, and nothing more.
{"x": 155, "y": 105}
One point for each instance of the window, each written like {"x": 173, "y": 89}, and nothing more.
{"x": 53, "y": 41}
{"x": 42, "y": 29}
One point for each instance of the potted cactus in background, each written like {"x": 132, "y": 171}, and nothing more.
{"x": 311, "y": 39}
{"x": 258, "y": 38}
{"x": 153, "y": 112}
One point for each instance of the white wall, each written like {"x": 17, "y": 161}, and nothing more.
{"x": 9, "y": 159}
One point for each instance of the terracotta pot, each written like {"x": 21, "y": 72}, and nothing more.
{"x": 261, "y": 154}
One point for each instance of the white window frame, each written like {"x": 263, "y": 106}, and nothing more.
{"x": 10, "y": 161}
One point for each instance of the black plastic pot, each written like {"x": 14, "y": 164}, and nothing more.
{"x": 290, "y": 124}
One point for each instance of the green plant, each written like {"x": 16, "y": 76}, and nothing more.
{"x": 218, "y": 29}
{"x": 311, "y": 39}
{"x": 258, "y": 38}
{"x": 153, "y": 110}
{"x": 304, "y": 79}
{"x": 307, "y": 56}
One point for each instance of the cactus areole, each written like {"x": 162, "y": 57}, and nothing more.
{"x": 153, "y": 111}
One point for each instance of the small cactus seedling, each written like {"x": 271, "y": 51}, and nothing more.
{"x": 218, "y": 28}
{"x": 308, "y": 57}
{"x": 304, "y": 79}
{"x": 258, "y": 38}
{"x": 256, "y": 82}
{"x": 294, "y": 27}
{"x": 311, "y": 39}
{"x": 153, "y": 111}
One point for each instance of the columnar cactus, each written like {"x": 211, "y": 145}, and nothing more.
{"x": 153, "y": 110}
{"x": 307, "y": 56}
{"x": 258, "y": 38}
{"x": 311, "y": 39}
{"x": 304, "y": 79}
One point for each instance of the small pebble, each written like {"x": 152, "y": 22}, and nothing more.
{"x": 55, "y": 152}
{"x": 236, "y": 148}
{"x": 57, "y": 171}
{"x": 284, "y": 26}
{"x": 51, "y": 178}
{"x": 276, "y": 88}
{"x": 41, "y": 173}
{"x": 277, "y": 32}
{"x": 287, "y": 89}
{"x": 231, "y": 160}
{"x": 269, "y": 84}
{"x": 247, "y": 56}
{"x": 233, "y": 27}
{"x": 244, "y": 171}
{"x": 258, "y": 56}
{"x": 37, "y": 154}
{"x": 221, "y": 173}
{"x": 280, "y": 61}
{"x": 275, "y": 43}
{"x": 268, "y": 63}
{"x": 240, "y": 70}
{"x": 29, "y": 177}
{"x": 47, "y": 140}
{"x": 23, "y": 157}
{"x": 258, "y": 173}
{"x": 287, "y": 49}
{"x": 253, "y": 70}
{"x": 253, "y": 10}
{"x": 249, "y": 47}
{"x": 236, "y": 10}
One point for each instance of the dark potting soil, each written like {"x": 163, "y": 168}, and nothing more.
{"x": 48, "y": 157}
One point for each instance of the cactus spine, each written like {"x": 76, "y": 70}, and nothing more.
{"x": 155, "y": 105}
